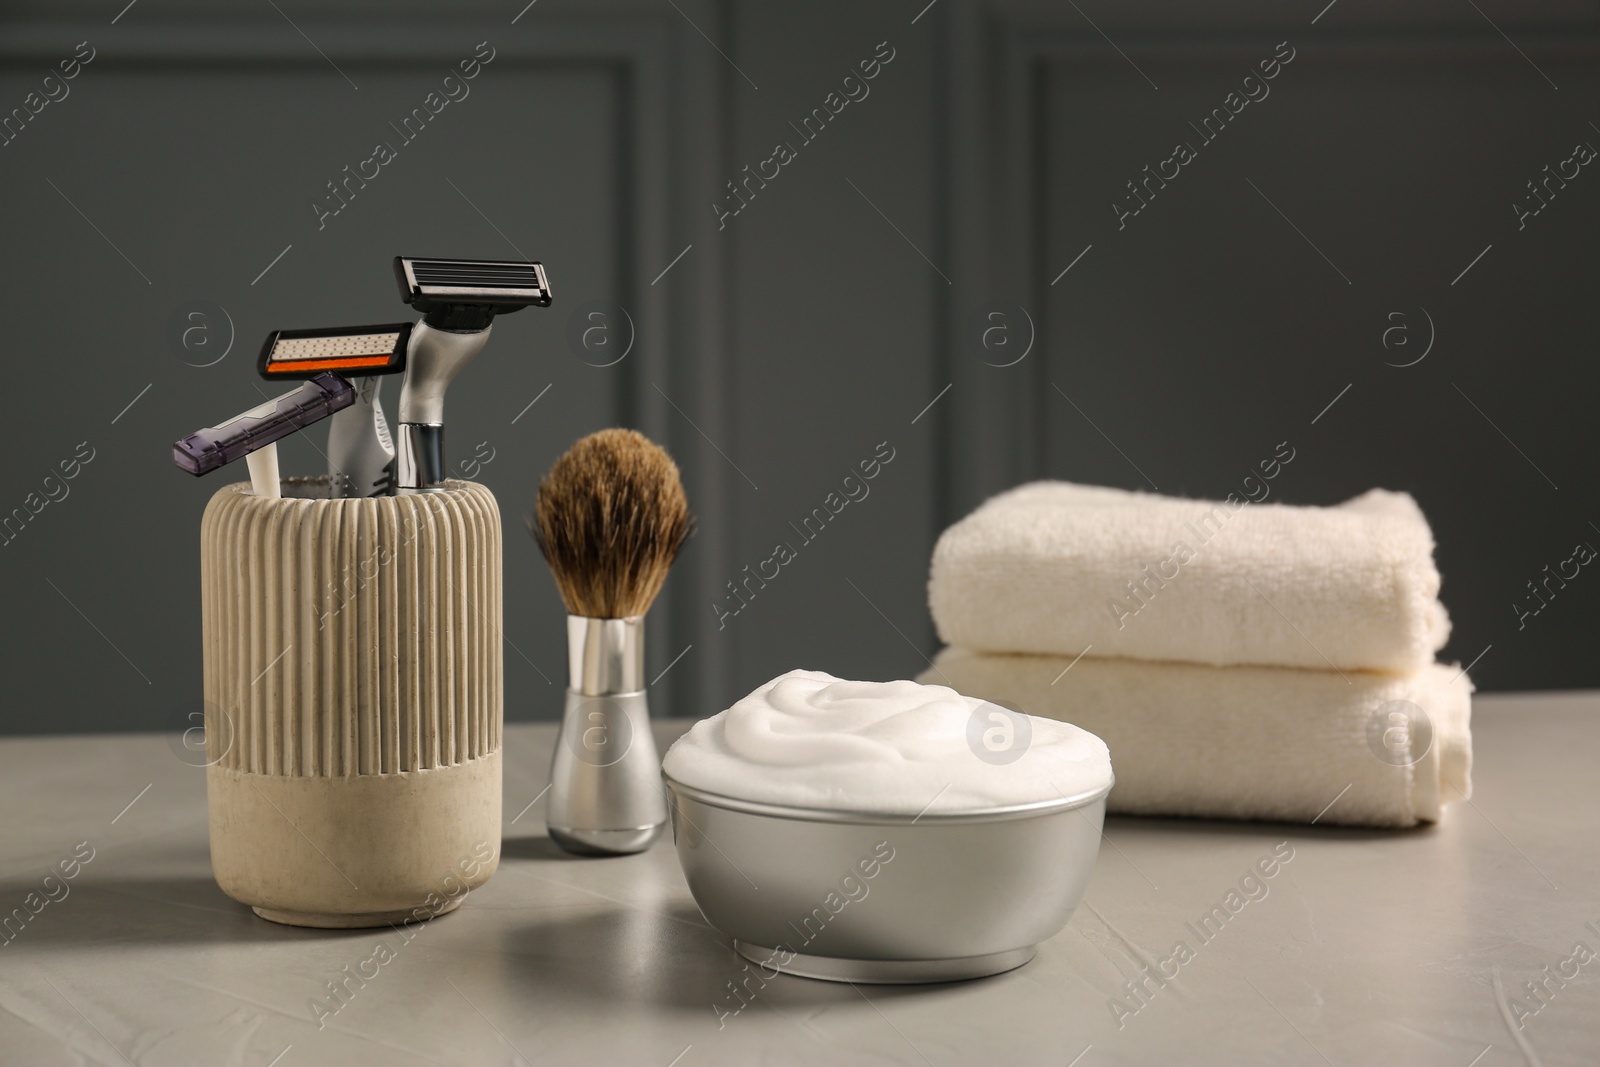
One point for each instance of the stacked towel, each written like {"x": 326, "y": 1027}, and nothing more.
{"x": 1244, "y": 742}
{"x": 1054, "y": 567}
{"x": 1241, "y": 660}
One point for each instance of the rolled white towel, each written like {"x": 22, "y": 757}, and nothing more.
{"x": 1247, "y": 742}
{"x": 1054, "y": 567}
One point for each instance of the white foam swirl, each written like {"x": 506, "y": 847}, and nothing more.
{"x": 807, "y": 739}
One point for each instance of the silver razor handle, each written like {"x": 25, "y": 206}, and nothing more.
{"x": 419, "y": 458}
{"x": 360, "y": 451}
{"x": 605, "y": 775}
{"x": 433, "y": 359}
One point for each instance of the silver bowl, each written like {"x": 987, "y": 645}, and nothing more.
{"x": 857, "y": 897}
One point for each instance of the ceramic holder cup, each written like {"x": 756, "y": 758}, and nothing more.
{"x": 353, "y": 688}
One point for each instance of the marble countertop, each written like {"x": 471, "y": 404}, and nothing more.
{"x": 1454, "y": 945}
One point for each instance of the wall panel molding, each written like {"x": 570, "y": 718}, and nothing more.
{"x": 1000, "y": 54}
{"x": 673, "y": 89}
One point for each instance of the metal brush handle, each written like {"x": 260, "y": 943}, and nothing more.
{"x": 605, "y": 775}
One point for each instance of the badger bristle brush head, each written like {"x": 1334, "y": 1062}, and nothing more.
{"x": 610, "y": 519}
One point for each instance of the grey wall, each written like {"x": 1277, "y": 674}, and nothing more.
{"x": 813, "y": 328}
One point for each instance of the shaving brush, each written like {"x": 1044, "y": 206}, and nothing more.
{"x": 610, "y": 518}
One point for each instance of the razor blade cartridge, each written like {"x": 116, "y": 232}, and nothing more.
{"x": 353, "y": 351}
{"x": 430, "y": 284}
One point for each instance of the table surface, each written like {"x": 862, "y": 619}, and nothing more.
{"x": 1369, "y": 947}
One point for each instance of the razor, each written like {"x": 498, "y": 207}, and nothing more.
{"x": 255, "y": 434}
{"x": 458, "y": 299}
{"x": 360, "y": 450}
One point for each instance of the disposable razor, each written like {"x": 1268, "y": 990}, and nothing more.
{"x": 360, "y": 450}
{"x": 255, "y": 434}
{"x": 458, "y": 299}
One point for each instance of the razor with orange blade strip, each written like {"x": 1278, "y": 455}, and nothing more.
{"x": 360, "y": 450}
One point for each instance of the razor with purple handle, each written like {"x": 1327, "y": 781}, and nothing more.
{"x": 262, "y": 427}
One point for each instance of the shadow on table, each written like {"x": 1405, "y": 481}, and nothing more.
{"x": 535, "y": 848}
{"x": 124, "y": 911}
{"x": 669, "y": 958}
{"x": 1143, "y": 825}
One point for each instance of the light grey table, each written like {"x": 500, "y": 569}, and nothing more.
{"x": 1367, "y": 948}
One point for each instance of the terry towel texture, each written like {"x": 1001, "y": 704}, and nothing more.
{"x": 1243, "y": 742}
{"x": 1054, "y": 567}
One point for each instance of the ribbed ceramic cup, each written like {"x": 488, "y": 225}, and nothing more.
{"x": 353, "y": 687}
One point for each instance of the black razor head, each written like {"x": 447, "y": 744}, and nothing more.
{"x": 353, "y": 351}
{"x": 465, "y": 294}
